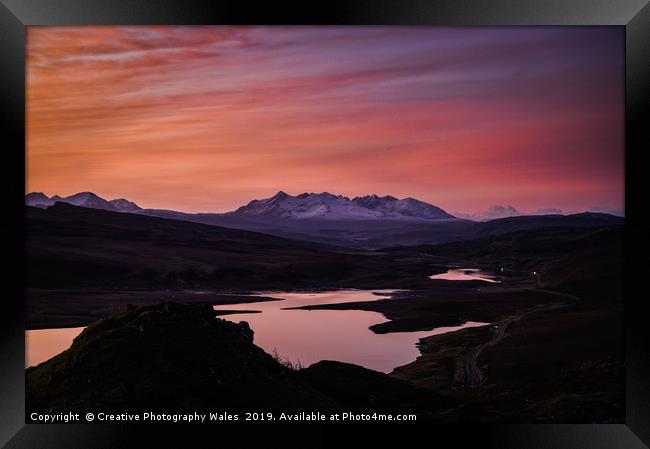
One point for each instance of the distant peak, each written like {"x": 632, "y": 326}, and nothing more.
{"x": 281, "y": 194}
{"x": 493, "y": 212}
{"x": 319, "y": 195}
{"x": 374, "y": 196}
{"x": 37, "y": 195}
{"x": 84, "y": 194}
{"x": 38, "y": 199}
{"x": 82, "y": 199}
{"x": 328, "y": 195}
{"x": 124, "y": 205}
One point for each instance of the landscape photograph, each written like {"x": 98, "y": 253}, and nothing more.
{"x": 337, "y": 223}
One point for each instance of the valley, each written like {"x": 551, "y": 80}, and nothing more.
{"x": 537, "y": 289}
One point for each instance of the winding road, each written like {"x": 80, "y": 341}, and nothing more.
{"x": 473, "y": 376}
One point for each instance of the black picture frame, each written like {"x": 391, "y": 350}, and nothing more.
{"x": 15, "y": 15}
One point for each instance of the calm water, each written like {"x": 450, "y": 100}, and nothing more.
{"x": 43, "y": 344}
{"x": 465, "y": 274}
{"x": 301, "y": 336}
{"x": 308, "y": 336}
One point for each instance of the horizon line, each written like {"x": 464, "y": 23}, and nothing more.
{"x": 477, "y": 215}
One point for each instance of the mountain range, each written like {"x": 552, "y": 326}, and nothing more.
{"x": 368, "y": 222}
{"x": 338, "y": 207}
{"x": 496, "y": 211}
{"x": 82, "y": 199}
{"x": 323, "y": 206}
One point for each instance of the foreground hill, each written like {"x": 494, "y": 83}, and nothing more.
{"x": 180, "y": 358}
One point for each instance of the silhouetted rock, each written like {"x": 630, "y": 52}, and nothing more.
{"x": 175, "y": 357}
{"x": 166, "y": 357}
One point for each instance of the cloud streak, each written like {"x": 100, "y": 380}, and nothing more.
{"x": 205, "y": 118}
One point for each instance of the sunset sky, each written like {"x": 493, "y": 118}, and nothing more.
{"x": 208, "y": 118}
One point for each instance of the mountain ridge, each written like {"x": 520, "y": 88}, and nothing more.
{"x": 371, "y": 228}
{"x": 82, "y": 199}
{"x": 338, "y": 207}
{"x": 325, "y": 205}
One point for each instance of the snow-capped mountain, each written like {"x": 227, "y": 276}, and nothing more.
{"x": 337, "y": 207}
{"x": 37, "y": 199}
{"x": 124, "y": 205}
{"x": 495, "y": 212}
{"x": 389, "y": 206}
{"x": 82, "y": 199}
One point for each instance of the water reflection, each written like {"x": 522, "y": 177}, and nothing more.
{"x": 301, "y": 336}
{"x": 43, "y": 344}
{"x": 465, "y": 274}
{"x": 305, "y": 337}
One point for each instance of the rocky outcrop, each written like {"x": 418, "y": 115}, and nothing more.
{"x": 166, "y": 357}
{"x": 175, "y": 357}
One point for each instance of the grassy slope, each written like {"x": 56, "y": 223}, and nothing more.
{"x": 561, "y": 366}
{"x": 564, "y": 365}
{"x": 75, "y": 247}
{"x": 585, "y": 261}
